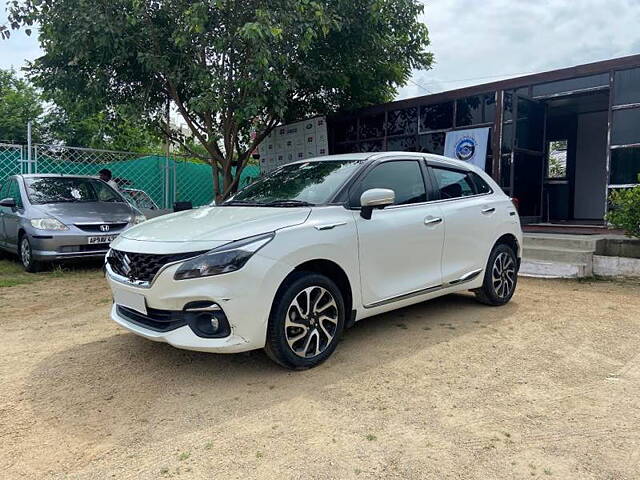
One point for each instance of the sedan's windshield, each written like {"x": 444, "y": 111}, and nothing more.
{"x": 42, "y": 190}
{"x": 308, "y": 183}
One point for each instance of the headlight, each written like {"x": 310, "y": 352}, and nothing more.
{"x": 48, "y": 224}
{"x": 138, "y": 219}
{"x": 224, "y": 259}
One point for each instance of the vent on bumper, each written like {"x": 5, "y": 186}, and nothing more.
{"x": 157, "y": 320}
{"x": 143, "y": 267}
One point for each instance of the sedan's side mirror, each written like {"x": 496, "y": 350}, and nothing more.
{"x": 375, "y": 198}
{"x": 8, "y": 202}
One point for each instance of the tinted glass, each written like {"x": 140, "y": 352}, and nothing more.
{"x": 626, "y": 127}
{"x": 505, "y": 171}
{"x": 530, "y": 127}
{"x": 480, "y": 184}
{"x": 313, "y": 182}
{"x": 626, "y": 87}
{"x": 625, "y": 166}
{"x": 507, "y": 137}
{"x": 346, "y": 130}
{"x": 14, "y": 192}
{"x": 436, "y": 117}
{"x": 453, "y": 183}
{"x": 475, "y": 110}
{"x": 572, "y": 84}
{"x": 402, "y": 144}
{"x": 403, "y": 177}
{"x": 402, "y": 122}
{"x": 507, "y": 106}
{"x": 370, "y": 146}
{"x": 372, "y": 126}
{"x": 432, "y": 143}
{"x": 42, "y": 190}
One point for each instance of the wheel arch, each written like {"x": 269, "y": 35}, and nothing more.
{"x": 336, "y": 273}
{"x": 510, "y": 240}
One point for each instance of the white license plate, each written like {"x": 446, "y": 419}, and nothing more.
{"x": 131, "y": 300}
{"x": 102, "y": 239}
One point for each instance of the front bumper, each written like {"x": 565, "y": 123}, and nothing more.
{"x": 245, "y": 297}
{"x": 49, "y": 246}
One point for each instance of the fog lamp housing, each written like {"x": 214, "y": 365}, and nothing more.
{"x": 207, "y": 319}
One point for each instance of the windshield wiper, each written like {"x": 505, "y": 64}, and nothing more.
{"x": 289, "y": 203}
{"x": 241, "y": 203}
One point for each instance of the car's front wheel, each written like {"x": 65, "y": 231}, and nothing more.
{"x": 500, "y": 277}
{"x": 306, "y": 321}
{"x": 26, "y": 255}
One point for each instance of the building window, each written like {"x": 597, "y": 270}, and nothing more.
{"x": 402, "y": 122}
{"x": 557, "y": 159}
{"x": 346, "y": 130}
{"x": 571, "y": 85}
{"x": 432, "y": 143}
{"x": 436, "y": 117}
{"x": 372, "y": 126}
{"x": 476, "y": 110}
{"x": 625, "y": 166}
{"x": 407, "y": 143}
{"x": 625, "y": 130}
{"x": 626, "y": 87}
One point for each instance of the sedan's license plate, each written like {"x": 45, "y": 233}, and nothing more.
{"x": 132, "y": 300}
{"x": 102, "y": 239}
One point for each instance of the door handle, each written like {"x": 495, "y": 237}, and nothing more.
{"x": 487, "y": 211}
{"x": 432, "y": 221}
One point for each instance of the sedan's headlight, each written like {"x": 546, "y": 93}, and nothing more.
{"x": 224, "y": 259}
{"x": 138, "y": 219}
{"x": 48, "y": 224}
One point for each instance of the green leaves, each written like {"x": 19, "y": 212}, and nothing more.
{"x": 624, "y": 212}
{"x": 231, "y": 68}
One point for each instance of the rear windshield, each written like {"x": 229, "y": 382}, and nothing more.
{"x": 42, "y": 190}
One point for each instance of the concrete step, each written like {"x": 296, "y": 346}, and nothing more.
{"x": 542, "y": 269}
{"x": 558, "y": 255}
{"x": 578, "y": 242}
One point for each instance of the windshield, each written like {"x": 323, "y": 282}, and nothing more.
{"x": 42, "y": 190}
{"x": 139, "y": 199}
{"x": 298, "y": 184}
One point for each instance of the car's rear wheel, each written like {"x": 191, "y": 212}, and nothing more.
{"x": 25, "y": 253}
{"x": 500, "y": 277}
{"x": 306, "y": 321}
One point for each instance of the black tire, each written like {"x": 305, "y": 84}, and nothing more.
{"x": 25, "y": 254}
{"x": 287, "y": 321}
{"x": 500, "y": 277}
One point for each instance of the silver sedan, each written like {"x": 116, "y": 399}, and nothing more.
{"x": 58, "y": 217}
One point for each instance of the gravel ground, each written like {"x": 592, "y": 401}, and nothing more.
{"x": 546, "y": 387}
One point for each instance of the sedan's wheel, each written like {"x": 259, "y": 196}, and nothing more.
{"x": 26, "y": 255}
{"x": 501, "y": 277}
{"x": 306, "y": 320}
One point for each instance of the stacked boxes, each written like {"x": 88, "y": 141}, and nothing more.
{"x": 292, "y": 142}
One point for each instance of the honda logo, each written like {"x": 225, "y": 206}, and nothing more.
{"x": 104, "y": 228}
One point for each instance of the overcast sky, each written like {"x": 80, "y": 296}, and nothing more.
{"x": 478, "y": 41}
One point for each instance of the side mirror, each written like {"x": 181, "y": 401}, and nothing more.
{"x": 8, "y": 202}
{"x": 375, "y": 198}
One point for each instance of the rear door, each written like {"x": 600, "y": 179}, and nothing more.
{"x": 400, "y": 247}
{"x": 470, "y": 221}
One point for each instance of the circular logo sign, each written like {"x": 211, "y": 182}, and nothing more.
{"x": 465, "y": 148}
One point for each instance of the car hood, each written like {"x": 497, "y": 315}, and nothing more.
{"x": 216, "y": 224}
{"x": 88, "y": 212}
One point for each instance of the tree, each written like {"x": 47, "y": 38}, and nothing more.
{"x": 20, "y": 103}
{"x": 232, "y": 69}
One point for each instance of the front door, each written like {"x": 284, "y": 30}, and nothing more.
{"x": 528, "y": 156}
{"x": 11, "y": 216}
{"x": 400, "y": 247}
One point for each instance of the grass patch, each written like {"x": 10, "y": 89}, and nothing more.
{"x": 12, "y": 274}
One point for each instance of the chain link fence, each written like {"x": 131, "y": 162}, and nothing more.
{"x": 165, "y": 179}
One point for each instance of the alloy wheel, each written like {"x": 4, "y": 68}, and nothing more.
{"x": 25, "y": 252}
{"x": 503, "y": 275}
{"x": 312, "y": 322}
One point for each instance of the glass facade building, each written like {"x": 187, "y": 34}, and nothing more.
{"x": 559, "y": 141}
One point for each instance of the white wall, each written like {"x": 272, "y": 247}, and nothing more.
{"x": 591, "y": 154}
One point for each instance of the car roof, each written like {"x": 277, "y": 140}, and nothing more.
{"x": 371, "y": 156}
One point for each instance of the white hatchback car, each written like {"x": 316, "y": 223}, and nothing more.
{"x": 297, "y": 256}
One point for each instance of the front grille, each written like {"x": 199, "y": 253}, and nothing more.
{"x": 143, "y": 267}
{"x": 157, "y": 320}
{"x": 100, "y": 227}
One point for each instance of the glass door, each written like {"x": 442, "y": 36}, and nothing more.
{"x": 528, "y": 156}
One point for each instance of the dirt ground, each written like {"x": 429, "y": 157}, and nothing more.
{"x": 546, "y": 387}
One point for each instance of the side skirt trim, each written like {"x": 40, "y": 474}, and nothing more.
{"x": 467, "y": 277}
